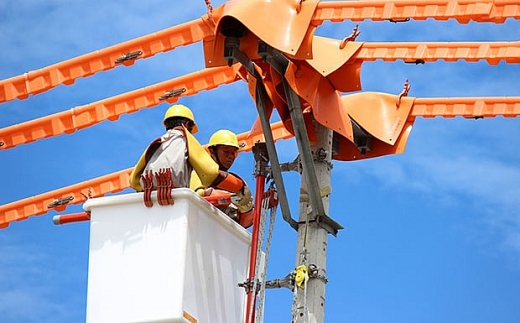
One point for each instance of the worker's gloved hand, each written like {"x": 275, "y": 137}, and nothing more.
{"x": 244, "y": 201}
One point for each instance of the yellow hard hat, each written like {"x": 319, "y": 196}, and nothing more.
{"x": 223, "y": 137}
{"x": 179, "y": 110}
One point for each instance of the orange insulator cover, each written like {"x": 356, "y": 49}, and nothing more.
{"x": 385, "y": 117}
{"x": 288, "y": 30}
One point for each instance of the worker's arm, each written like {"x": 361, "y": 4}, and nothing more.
{"x": 196, "y": 184}
{"x": 207, "y": 169}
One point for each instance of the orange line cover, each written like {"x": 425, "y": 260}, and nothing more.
{"x": 111, "y": 108}
{"x": 65, "y": 72}
{"x": 463, "y": 11}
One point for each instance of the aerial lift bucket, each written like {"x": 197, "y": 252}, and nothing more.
{"x": 172, "y": 263}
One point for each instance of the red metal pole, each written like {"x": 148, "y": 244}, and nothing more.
{"x": 69, "y": 218}
{"x": 251, "y": 294}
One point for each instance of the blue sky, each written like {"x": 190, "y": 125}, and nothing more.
{"x": 432, "y": 235}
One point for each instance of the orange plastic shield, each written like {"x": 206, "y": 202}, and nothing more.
{"x": 379, "y": 113}
{"x": 317, "y": 91}
{"x": 286, "y": 30}
{"x": 347, "y": 150}
{"x": 337, "y": 64}
{"x": 384, "y": 117}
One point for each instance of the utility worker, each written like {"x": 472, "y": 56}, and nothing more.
{"x": 223, "y": 148}
{"x": 179, "y": 152}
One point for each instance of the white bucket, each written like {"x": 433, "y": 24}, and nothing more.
{"x": 178, "y": 263}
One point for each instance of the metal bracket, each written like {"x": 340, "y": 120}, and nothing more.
{"x": 172, "y": 93}
{"x": 60, "y": 201}
{"x": 314, "y": 273}
{"x": 295, "y": 165}
{"x": 399, "y": 20}
{"x": 128, "y": 56}
{"x": 416, "y": 62}
{"x": 279, "y": 62}
{"x": 261, "y": 159}
{"x": 286, "y": 282}
{"x": 233, "y": 54}
{"x": 362, "y": 139}
{"x": 247, "y": 285}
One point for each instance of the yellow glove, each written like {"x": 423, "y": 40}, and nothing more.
{"x": 244, "y": 200}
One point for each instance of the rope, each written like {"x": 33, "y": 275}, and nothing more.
{"x": 305, "y": 237}
{"x": 261, "y": 230}
{"x": 261, "y": 293}
{"x": 294, "y": 309}
{"x": 302, "y": 267}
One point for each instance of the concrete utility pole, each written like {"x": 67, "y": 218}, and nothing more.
{"x": 309, "y": 302}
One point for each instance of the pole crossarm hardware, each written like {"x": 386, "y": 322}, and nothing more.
{"x": 233, "y": 54}
{"x": 261, "y": 156}
{"x": 286, "y": 282}
{"x": 280, "y": 63}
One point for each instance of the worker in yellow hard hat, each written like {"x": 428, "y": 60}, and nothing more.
{"x": 223, "y": 148}
{"x": 179, "y": 152}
